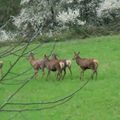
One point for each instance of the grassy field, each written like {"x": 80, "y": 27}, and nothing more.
{"x": 98, "y": 100}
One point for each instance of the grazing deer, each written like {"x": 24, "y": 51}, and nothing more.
{"x": 36, "y": 64}
{"x": 86, "y": 63}
{"x": 64, "y": 63}
{"x": 53, "y": 65}
{"x": 1, "y": 66}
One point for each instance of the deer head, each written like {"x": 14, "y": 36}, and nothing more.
{"x": 76, "y": 55}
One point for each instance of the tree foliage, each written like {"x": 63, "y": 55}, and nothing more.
{"x": 55, "y": 15}
{"x": 8, "y": 8}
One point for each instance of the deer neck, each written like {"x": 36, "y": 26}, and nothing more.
{"x": 46, "y": 61}
{"x": 78, "y": 59}
{"x": 31, "y": 61}
{"x": 54, "y": 58}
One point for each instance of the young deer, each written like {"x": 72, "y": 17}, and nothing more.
{"x": 1, "y": 66}
{"x": 36, "y": 64}
{"x": 86, "y": 63}
{"x": 53, "y": 65}
{"x": 64, "y": 63}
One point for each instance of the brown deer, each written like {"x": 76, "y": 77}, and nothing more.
{"x": 1, "y": 66}
{"x": 86, "y": 63}
{"x": 64, "y": 63}
{"x": 53, "y": 65}
{"x": 36, "y": 64}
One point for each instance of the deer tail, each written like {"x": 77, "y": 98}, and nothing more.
{"x": 68, "y": 62}
{"x": 61, "y": 65}
{"x": 96, "y": 62}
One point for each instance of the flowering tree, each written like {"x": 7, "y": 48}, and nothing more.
{"x": 38, "y": 14}
{"x": 47, "y": 15}
{"x": 109, "y": 12}
{"x": 56, "y": 15}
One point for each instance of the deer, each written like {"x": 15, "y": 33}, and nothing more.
{"x": 37, "y": 64}
{"x": 86, "y": 63}
{"x": 53, "y": 65}
{"x": 1, "y": 66}
{"x": 64, "y": 63}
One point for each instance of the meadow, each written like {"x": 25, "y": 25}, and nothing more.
{"x": 98, "y": 100}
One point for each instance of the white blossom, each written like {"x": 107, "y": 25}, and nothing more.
{"x": 24, "y": 1}
{"x": 4, "y": 35}
{"x": 68, "y": 16}
{"x": 107, "y": 5}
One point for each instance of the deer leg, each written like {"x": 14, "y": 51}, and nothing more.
{"x": 96, "y": 74}
{"x": 48, "y": 74}
{"x": 36, "y": 74}
{"x": 43, "y": 72}
{"x": 70, "y": 71}
{"x": 92, "y": 76}
{"x": 59, "y": 74}
{"x": 64, "y": 73}
{"x": 95, "y": 70}
{"x": 81, "y": 74}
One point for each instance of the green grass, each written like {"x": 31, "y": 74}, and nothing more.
{"x": 98, "y": 100}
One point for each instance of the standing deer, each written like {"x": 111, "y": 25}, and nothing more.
{"x": 53, "y": 65}
{"x": 64, "y": 63}
{"x": 86, "y": 63}
{"x": 1, "y": 66}
{"x": 36, "y": 64}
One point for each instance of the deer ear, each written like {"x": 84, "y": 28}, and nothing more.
{"x": 78, "y": 53}
{"x": 56, "y": 54}
{"x": 74, "y": 52}
{"x": 53, "y": 54}
{"x": 31, "y": 53}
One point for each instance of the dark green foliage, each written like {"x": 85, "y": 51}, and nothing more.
{"x": 8, "y": 8}
{"x": 87, "y": 10}
{"x": 110, "y": 16}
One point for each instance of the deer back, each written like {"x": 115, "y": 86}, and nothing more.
{"x": 86, "y": 63}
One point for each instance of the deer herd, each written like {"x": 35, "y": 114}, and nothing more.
{"x": 59, "y": 66}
